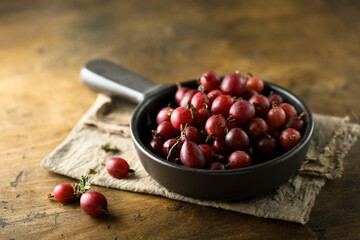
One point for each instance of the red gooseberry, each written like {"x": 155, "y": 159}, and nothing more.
{"x": 118, "y": 167}
{"x": 209, "y": 81}
{"x": 63, "y": 192}
{"x": 239, "y": 159}
{"x": 191, "y": 155}
{"x": 233, "y": 84}
{"x": 255, "y": 83}
{"x": 93, "y": 203}
{"x": 289, "y": 138}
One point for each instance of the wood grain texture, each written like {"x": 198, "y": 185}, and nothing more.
{"x": 310, "y": 47}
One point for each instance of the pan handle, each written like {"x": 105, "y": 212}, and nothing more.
{"x": 113, "y": 80}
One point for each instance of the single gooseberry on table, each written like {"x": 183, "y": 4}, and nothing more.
{"x": 63, "y": 192}
{"x": 93, "y": 203}
{"x": 118, "y": 167}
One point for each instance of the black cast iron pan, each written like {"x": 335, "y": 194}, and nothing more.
{"x": 114, "y": 80}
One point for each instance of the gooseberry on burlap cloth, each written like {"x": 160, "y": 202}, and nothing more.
{"x": 107, "y": 122}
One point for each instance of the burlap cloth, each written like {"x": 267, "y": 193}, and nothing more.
{"x": 107, "y": 122}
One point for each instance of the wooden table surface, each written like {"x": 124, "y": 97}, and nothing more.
{"x": 310, "y": 47}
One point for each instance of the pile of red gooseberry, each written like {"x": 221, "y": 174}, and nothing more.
{"x": 225, "y": 123}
